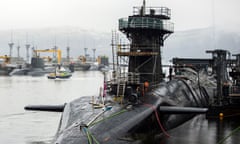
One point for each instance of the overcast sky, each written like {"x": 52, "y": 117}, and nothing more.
{"x": 103, "y": 15}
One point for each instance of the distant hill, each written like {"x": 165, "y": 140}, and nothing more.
{"x": 194, "y": 43}
{"x": 191, "y": 43}
{"x": 47, "y": 38}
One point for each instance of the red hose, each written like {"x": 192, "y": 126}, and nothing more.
{"x": 159, "y": 122}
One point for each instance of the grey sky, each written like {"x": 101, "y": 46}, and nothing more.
{"x": 103, "y": 15}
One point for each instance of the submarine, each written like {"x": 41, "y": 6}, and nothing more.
{"x": 137, "y": 106}
{"x": 36, "y": 68}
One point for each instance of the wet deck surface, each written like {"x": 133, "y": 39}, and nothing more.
{"x": 200, "y": 130}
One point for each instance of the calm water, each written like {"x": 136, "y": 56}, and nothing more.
{"x": 18, "y": 126}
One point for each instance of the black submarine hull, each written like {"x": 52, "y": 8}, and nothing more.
{"x": 36, "y": 68}
{"x": 132, "y": 123}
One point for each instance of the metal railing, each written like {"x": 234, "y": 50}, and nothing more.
{"x": 145, "y": 23}
{"x": 157, "y": 11}
{"x": 133, "y": 78}
{"x": 135, "y": 50}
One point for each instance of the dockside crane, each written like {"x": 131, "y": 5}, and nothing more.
{"x": 58, "y": 51}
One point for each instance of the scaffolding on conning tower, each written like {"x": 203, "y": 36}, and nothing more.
{"x": 121, "y": 53}
{"x": 121, "y": 76}
{"x": 138, "y": 62}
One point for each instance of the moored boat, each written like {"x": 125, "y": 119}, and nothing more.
{"x": 60, "y": 73}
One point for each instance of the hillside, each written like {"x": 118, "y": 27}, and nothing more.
{"x": 192, "y": 43}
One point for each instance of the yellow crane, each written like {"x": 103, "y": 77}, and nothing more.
{"x": 59, "y": 53}
{"x": 6, "y": 59}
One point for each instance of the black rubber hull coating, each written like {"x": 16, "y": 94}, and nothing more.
{"x": 50, "y": 108}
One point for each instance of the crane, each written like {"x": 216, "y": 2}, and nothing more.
{"x": 59, "y": 53}
{"x": 6, "y": 59}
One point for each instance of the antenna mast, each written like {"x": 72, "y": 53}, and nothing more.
{"x": 85, "y": 51}
{"x": 214, "y": 44}
{"x": 18, "y": 51}
{"x": 68, "y": 51}
{"x": 94, "y": 52}
{"x": 27, "y": 48}
{"x": 144, "y": 7}
{"x": 11, "y": 45}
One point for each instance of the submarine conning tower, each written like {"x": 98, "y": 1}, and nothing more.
{"x": 146, "y": 30}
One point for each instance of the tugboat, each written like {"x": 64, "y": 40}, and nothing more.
{"x": 60, "y": 73}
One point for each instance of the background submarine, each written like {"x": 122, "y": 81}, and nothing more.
{"x": 138, "y": 106}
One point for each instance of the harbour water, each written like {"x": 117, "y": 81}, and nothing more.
{"x": 18, "y": 126}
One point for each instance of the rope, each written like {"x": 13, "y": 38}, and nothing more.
{"x": 115, "y": 114}
{"x": 225, "y": 138}
{"x": 157, "y": 117}
{"x": 94, "y": 139}
{"x": 90, "y": 136}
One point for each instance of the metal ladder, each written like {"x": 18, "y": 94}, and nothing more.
{"x": 118, "y": 66}
{"x": 121, "y": 86}
{"x": 114, "y": 49}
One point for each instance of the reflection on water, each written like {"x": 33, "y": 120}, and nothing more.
{"x": 200, "y": 130}
{"x": 18, "y": 126}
